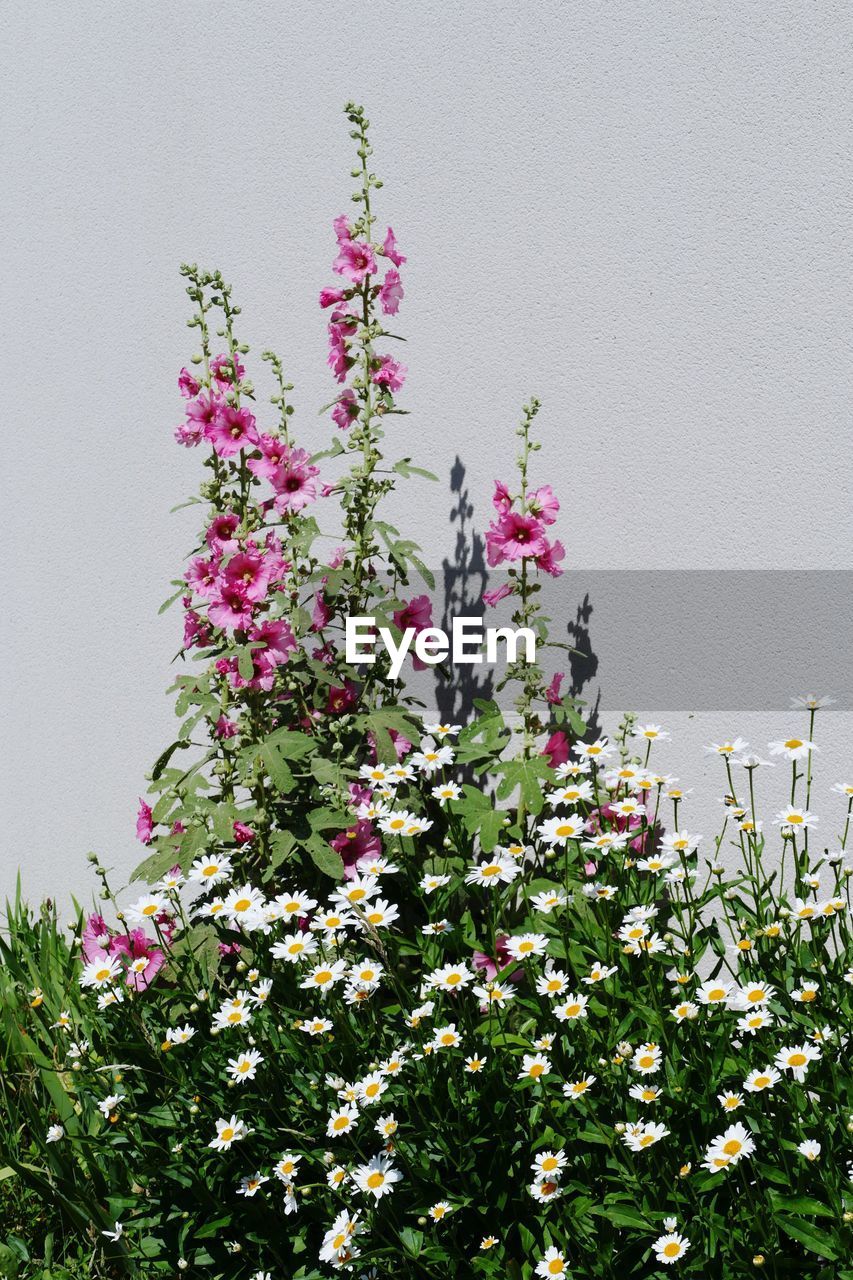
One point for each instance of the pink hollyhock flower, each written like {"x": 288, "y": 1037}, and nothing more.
{"x": 338, "y": 557}
{"x": 177, "y": 828}
{"x": 249, "y": 571}
{"x": 225, "y": 728}
{"x": 136, "y": 945}
{"x": 273, "y": 454}
{"x": 589, "y": 869}
{"x": 606, "y": 818}
{"x": 354, "y": 844}
{"x": 341, "y": 698}
{"x": 231, "y": 609}
{"x": 242, "y": 833}
{"x": 278, "y": 565}
{"x": 196, "y": 631}
{"x": 390, "y": 374}
{"x": 329, "y": 297}
{"x": 222, "y": 368}
{"x": 492, "y": 598}
{"x": 188, "y": 385}
{"x": 294, "y": 481}
{"x": 391, "y": 293}
{"x": 203, "y": 576}
{"x": 418, "y": 614}
{"x": 390, "y": 250}
{"x": 552, "y": 693}
{"x": 491, "y": 967}
{"x": 232, "y": 429}
{"x": 144, "y": 823}
{"x": 358, "y": 795}
{"x": 556, "y": 749}
{"x": 341, "y": 327}
{"x": 342, "y": 228}
{"x": 548, "y": 560}
{"x": 321, "y": 613}
{"x": 229, "y": 948}
{"x": 355, "y": 260}
{"x": 502, "y": 501}
{"x": 544, "y": 504}
{"x": 189, "y": 434}
{"x": 96, "y": 938}
{"x": 324, "y": 653}
{"x": 277, "y": 635}
{"x": 402, "y": 746}
{"x": 346, "y": 410}
{"x": 201, "y": 412}
{"x": 327, "y": 490}
{"x": 513, "y": 537}
{"x": 220, "y": 534}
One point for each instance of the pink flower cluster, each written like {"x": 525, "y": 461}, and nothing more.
{"x": 234, "y": 581}
{"x": 132, "y": 947}
{"x": 358, "y": 262}
{"x": 231, "y": 430}
{"x": 519, "y": 532}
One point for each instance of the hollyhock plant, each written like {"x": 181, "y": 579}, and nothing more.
{"x": 391, "y": 995}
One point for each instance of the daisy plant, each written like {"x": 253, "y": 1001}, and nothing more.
{"x": 396, "y": 996}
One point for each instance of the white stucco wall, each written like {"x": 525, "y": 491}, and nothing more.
{"x": 638, "y": 211}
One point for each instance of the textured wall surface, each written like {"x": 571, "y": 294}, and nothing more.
{"x": 637, "y": 210}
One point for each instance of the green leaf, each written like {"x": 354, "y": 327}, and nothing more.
{"x": 525, "y": 775}
{"x": 211, "y": 1229}
{"x": 165, "y": 756}
{"x": 334, "y": 449}
{"x": 324, "y": 857}
{"x": 621, "y": 1215}
{"x": 809, "y": 1236}
{"x": 323, "y": 818}
{"x": 800, "y": 1204}
{"x": 272, "y": 760}
{"x": 245, "y": 662}
{"x": 380, "y": 722}
{"x": 404, "y": 468}
{"x": 328, "y": 773}
{"x": 412, "y": 1240}
{"x": 282, "y": 845}
{"x": 291, "y": 744}
{"x": 171, "y": 600}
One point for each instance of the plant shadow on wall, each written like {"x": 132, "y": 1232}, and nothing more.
{"x": 466, "y": 578}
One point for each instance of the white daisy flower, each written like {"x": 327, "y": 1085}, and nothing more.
{"x": 670, "y": 1247}
{"x": 496, "y": 869}
{"x": 558, "y": 830}
{"x": 227, "y": 1133}
{"x": 210, "y": 869}
{"x": 552, "y": 1263}
{"x": 244, "y": 1066}
{"x": 377, "y": 1177}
